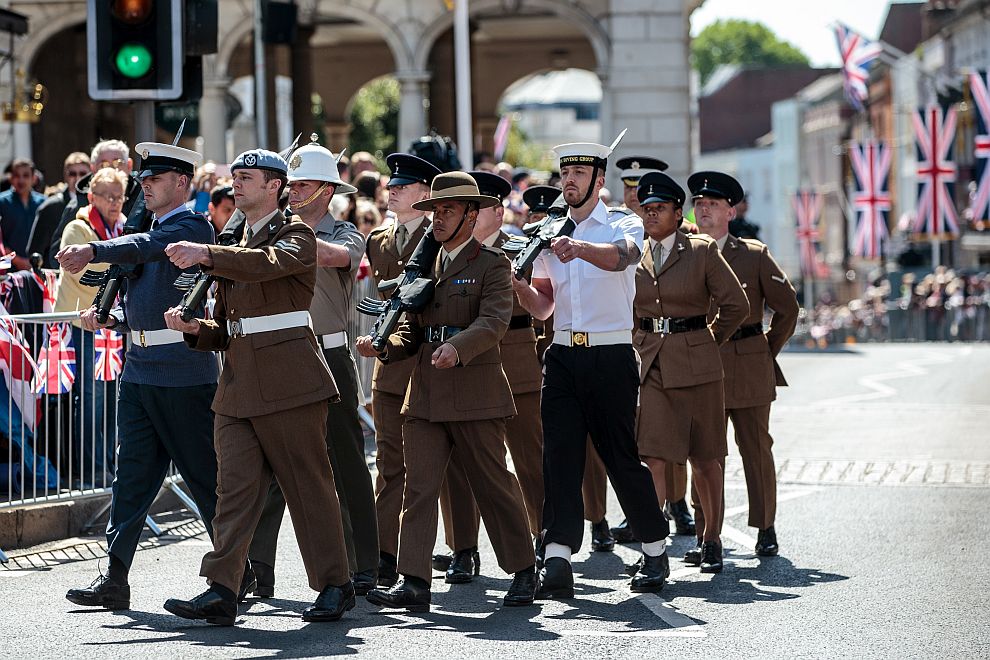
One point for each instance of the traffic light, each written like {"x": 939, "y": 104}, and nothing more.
{"x": 135, "y": 49}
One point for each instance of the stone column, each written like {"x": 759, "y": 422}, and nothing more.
{"x": 412, "y": 106}
{"x": 213, "y": 118}
{"x": 301, "y": 64}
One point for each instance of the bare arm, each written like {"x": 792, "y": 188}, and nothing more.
{"x": 536, "y": 298}
{"x": 331, "y": 255}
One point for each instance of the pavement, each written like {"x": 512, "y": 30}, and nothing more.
{"x": 883, "y": 459}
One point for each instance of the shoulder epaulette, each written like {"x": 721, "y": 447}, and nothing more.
{"x": 753, "y": 243}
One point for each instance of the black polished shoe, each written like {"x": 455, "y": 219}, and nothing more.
{"x": 331, "y": 604}
{"x": 711, "y": 557}
{"x": 465, "y": 565}
{"x": 693, "y": 556}
{"x": 388, "y": 574}
{"x": 556, "y": 580}
{"x": 624, "y": 533}
{"x": 766, "y": 542}
{"x": 403, "y": 596}
{"x": 442, "y": 562}
{"x": 249, "y": 584}
{"x": 681, "y": 515}
{"x": 652, "y": 575}
{"x": 633, "y": 568}
{"x": 102, "y": 592}
{"x": 364, "y": 581}
{"x": 601, "y": 537}
{"x": 209, "y": 605}
{"x": 264, "y": 578}
{"x": 522, "y": 591}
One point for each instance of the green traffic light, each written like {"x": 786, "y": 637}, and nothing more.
{"x": 133, "y": 60}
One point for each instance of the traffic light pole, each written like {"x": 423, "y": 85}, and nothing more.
{"x": 144, "y": 121}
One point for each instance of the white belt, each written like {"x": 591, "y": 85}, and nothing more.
{"x": 161, "y": 337}
{"x": 256, "y": 324}
{"x": 586, "y": 339}
{"x": 334, "y": 340}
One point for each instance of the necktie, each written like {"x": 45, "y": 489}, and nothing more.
{"x": 248, "y": 234}
{"x": 401, "y": 237}
{"x": 446, "y": 263}
{"x": 657, "y": 258}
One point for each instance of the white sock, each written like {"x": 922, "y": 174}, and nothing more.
{"x": 655, "y": 549}
{"x": 558, "y": 550}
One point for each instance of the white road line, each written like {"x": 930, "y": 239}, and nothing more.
{"x": 880, "y": 390}
{"x": 667, "y": 632}
{"x": 781, "y": 497}
{"x": 741, "y": 538}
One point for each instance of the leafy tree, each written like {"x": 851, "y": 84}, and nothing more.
{"x": 374, "y": 117}
{"x": 735, "y": 41}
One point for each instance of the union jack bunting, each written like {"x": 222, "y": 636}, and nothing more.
{"x": 56, "y": 361}
{"x": 48, "y": 281}
{"x": 871, "y": 167}
{"x": 935, "y": 132}
{"x": 980, "y": 205}
{"x": 108, "y": 347}
{"x": 857, "y": 54}
{"x": 18, "y": 370}
{"x": 807, "y": 207}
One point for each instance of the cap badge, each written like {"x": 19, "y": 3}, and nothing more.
{"x": 295, "y": 162}
{"x": 144, "y": 154}
{"x": 251, "y": 160}
{"x": 313, "y": 137}
{"x": 635, "y": 164}
{"x": 650, "y": 191}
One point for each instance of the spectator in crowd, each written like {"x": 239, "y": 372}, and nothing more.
{"x": 94, "y": 401}
{"x": 366, "y": 216}
{"x": 504, "y": 170}
{"x": 18, "y": 206}
{"x": 221, "y": 207}
{"x": 362, "y": 161}
{"x": 203, "y": 183}
{"x": 49, "y": 214}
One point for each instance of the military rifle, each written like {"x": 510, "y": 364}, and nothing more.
{"x": 411, "y": 292}
{"x": 538, "y": 237}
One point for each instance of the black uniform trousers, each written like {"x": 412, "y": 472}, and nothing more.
{"x": 351, "y": 474}
{"x": 157, "y": 425}
{"x": 593, "y": 391}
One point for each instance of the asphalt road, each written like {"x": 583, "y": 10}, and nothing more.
{"x": 883, "y": 463}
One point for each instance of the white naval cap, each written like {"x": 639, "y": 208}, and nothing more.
{"x": 586, "y": 153}
{"x": 157, "y": 157}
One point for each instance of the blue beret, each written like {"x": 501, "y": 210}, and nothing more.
{"x": 260, "y": 159}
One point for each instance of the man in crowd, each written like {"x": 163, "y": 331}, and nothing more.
{"x": 221, "y": 207}
{"x": 18, "y": 206}
{"x": 49, "y": 214}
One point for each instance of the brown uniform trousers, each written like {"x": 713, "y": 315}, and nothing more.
{"x": 464, "y": 408}
{"x": 751, "y": 371}
{"x": 523, "y": 436}
{"x": 271, "y": 406}
{"x": 388, "y": 386}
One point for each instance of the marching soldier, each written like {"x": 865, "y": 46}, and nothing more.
{"x": 749, "y": 358}
{"x": 389, "y": 248}
{"x": 271, "y": 403}
{"x": 681, "y": 414}
{"x": 591, "y": 378}
{"x": 460, "y": 409}
{"x": 523, "y": 433}
{"x": 161, "y": 375}
{"x": 313, "y": 181}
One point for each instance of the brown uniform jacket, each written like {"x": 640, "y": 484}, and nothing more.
{"x": 519, "y": 358}
{"x": 266, "y": 372}
{"x": 474, "y": 293}
{"x": 386, "y": 264}
{"x": 692, "y": 276}
{"x": 751, "y": 370}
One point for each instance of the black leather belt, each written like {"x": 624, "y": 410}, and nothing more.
{"x": 747, "y": 331}
{"x": 520, "y": 322}
{"x": 669, "y": 326}
{"x": 433, "y": 333}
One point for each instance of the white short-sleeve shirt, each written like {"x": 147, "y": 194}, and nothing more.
{"x": 587, "y": 298}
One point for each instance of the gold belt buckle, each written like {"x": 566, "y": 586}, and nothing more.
{"x": 143, "y": 344}
{"x": 579, "y": 338}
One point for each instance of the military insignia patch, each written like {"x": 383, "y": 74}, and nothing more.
{"x": 466, "y": 281}
{"x": 295, "y": 162}
{"x": 251, "y": 160}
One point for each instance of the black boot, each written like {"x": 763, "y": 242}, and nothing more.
{"x": 711, "y": 557}
{"x": 409, "y": 593}
{"x": 624, "y": 533}
{"x": 766, "y": 542}
{"x": 693, "y": 556}
{"x": 249, "y": 583}
{"x": 681, "y": 515}
{"x": 601, "y": 537}
{"x": 556, "y": 580}
{"x": 364, "y": 581}
{"x": 652, "y": 575}
{"x": 442, "y": 562}
{"x": 265, "y": 578}
{"x": 102, "y": 592}
{"x": 522, "y": 591}
{"x": 465, "y": 565}
{"x": 331, "y": 604}
{"x": 216, "y": 608}
{"x": 388, "y": 574}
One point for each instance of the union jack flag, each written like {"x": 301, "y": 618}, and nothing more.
{"x": 871, "y": 166}
{"x": 857, "y": 54}
{"x": 807, "y": 207}
{"x": 981, "y": 148}
{"x": 48, "y": 281}
{"x": 935, "y": 131}
{"x": 18, "y": 368}
{"x": 56, "y": 362}
{"x": 109, "y": 347}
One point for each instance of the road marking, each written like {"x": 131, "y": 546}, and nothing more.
{"x": 906, "y": 369}
{"x": 781, "y": 497}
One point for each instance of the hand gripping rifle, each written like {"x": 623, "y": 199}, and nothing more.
{"x": 411, "y": 292}
{"x": 538, "y": 237}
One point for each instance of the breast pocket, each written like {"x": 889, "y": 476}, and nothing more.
{"x": 463, "y": 300}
